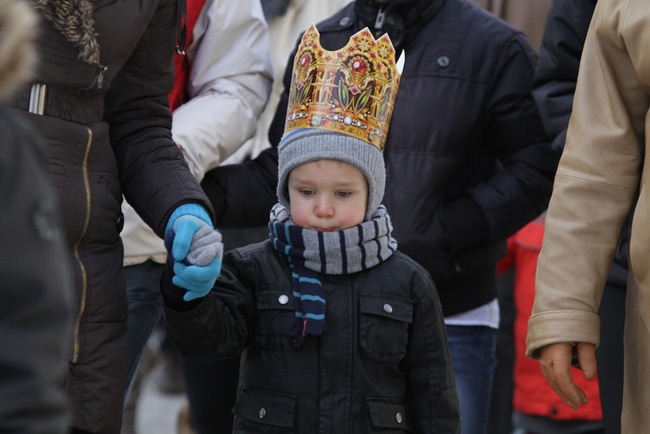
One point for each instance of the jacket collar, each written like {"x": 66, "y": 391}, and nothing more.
{"x": 402, "y": 19}
{"x": 74, "y": 20}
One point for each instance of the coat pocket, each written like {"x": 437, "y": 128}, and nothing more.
{"x": 262, "y": 411}
{"x": 384, "y": 326}
{"x": 387, "y": 416}
{"x": 278, "y": 327}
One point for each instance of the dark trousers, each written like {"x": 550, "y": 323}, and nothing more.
{"x": 211, "y": 391}
{"x": 610, "y": 357}
{"x": 500, "y": 419}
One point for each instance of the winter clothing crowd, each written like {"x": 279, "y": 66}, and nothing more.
{"x": 442, "y": 203}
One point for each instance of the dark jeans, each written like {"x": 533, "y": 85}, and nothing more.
{"x": 145, "y": 309}
{"x": 473, "y": 359}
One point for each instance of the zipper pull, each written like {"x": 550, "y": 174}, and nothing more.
{"x": 379, "y": 21}
{"x": 100, "y": 76}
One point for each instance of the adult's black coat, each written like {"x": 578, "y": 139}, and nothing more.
{"x": 106, "y": 70}
{"x": 467, "y": 158}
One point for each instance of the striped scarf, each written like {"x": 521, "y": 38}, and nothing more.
{"x": 311, "y": 253}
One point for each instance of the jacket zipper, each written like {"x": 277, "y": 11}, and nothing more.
{"x": 98, "y": 81}
{"x": 100, "y": 75}
{"x": 381, "y": 16}
{"x": 84, "y": 276}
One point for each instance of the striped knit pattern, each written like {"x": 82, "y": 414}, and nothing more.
{"x": 311, "y": 253}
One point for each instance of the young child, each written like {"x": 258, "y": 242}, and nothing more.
{"x": 339, "y": 331}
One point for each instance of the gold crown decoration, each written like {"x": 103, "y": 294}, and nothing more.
{"x": 350, "y": 91}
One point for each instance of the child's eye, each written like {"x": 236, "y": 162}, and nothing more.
{"x": 343, "y": 193}
{"x": 306, "y": 192}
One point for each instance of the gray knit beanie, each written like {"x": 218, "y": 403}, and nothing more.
{"x": 304, "y": 145}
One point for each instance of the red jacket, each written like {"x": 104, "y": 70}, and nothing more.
{"x": 532, "y": 395}
{"x": 181, "y": 64}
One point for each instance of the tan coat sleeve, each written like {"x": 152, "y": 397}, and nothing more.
{"x": 598, "y": 177}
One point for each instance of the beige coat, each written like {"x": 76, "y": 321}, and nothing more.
{"x": 601, "y": 172}
{"x": 528, "y": 16}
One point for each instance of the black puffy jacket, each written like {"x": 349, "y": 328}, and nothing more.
{"x": 467, "y": 158}
{"x": 382, "y": 365}
{"x": 108, "y": 134}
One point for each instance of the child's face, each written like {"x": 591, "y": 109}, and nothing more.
{"x": 327, "y": 195}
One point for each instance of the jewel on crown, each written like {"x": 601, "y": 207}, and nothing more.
{"x": 350, "y": 91}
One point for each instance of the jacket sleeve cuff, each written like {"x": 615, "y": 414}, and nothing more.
{"x": 561, "y": 326}
{"x": 173, "y": 295}
{"x": 465, "y": 223}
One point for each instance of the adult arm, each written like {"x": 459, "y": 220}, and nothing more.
{"x": 228, "y": 85}
{"x": 555, "y": 78}
{"x": 595, "y": 188}
{"x": 244, "y": 194}
{"x": 519, "y": 191}
{"x": 554, "y": 86}
{"x": 154, "y": 176}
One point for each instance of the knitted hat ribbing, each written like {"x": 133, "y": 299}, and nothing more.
{"x": 305, "y": 145}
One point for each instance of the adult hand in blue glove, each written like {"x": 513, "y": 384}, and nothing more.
{"x": 198, "y": 281}
{"x": 195, "y": 250}
{"x": 184, "y": 228}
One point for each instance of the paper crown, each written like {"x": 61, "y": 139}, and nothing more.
{"x": 350, "y": 91}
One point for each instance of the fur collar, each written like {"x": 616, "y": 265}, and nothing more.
{"x": 74, "y": 19}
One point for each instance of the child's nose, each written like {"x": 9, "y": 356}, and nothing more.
{"x": 324, "y": 208}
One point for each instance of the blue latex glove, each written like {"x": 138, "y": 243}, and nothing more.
{"x": 195, "y": 250}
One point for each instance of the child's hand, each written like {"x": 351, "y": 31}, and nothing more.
{"x": 205, "y": 242}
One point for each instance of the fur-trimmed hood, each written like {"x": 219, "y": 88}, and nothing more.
{"x": 17, "y": 30}
{"x": 74, "y": 19}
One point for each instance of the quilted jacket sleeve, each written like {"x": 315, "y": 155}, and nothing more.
{"x": 153, "y": 173}
{"x": 217, "y": 326}
{"x": 559, "y": 59}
